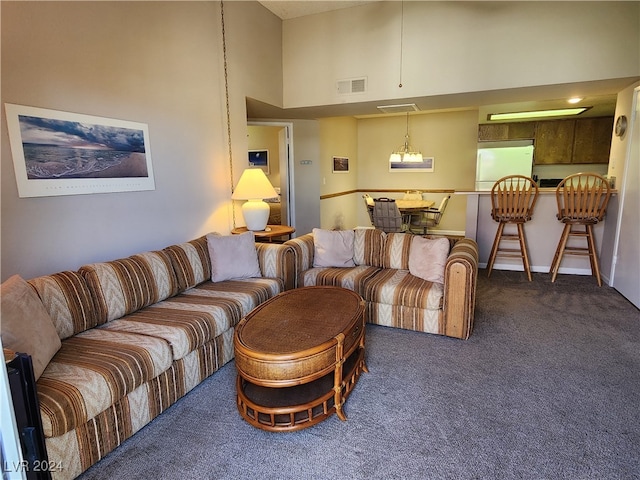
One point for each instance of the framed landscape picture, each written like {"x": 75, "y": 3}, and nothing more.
{"x": 259, "y": 158}
{"x": 427, "y": 165}
{"x": 61, "y": 153}
{"x": 340, "y": 165}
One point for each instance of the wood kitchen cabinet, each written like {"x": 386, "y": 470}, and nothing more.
{"x": 584, "y": 140}
{"x": 554, "y": 142}
{"x": 592, "y": 140}
{"x": 506, "y": 131}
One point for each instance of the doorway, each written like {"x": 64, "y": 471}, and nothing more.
{"x": 277, "y": 139}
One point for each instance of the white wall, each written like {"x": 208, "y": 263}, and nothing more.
{"x": 625, "y": 165}
{"x": 306, "y": 184}
{"x": 158, "y": 63}
{"x": 456, "y": 47}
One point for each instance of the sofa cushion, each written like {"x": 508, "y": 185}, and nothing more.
{"x": 192, "y": 318}
{"x": 396, "y": 250}
{"x": 191, "y": 262}
{"x": 333, "y": 248}
{"x": 26, "y": 326}
{"x": 368, "y": 246}
{"x": 92, "y": 371}
{"x": 399, "y": 287}
{"x": 120, "y": 287}
{"x": 233, "y": 257}
{"x": 428, "y": 257}
{"x": 409, "y": 318}
{"x": 67, "y": 298}
{"x": 352, "y": 278}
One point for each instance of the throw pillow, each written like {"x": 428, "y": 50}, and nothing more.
{"x": 428, "y": 257}
{"x": 26, "y": 326}
{"x": 233, "y": 257}
{"x": 333, "y": 248}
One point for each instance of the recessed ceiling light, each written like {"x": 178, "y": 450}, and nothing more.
{"x": 562, "y": 112}
{"x": 575, "y": 100}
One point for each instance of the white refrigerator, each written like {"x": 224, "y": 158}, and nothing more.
{"x": 497, "y": 160}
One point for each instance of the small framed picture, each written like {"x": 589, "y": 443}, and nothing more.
{"x": 259, "y": 158}
{"x": 340, "y": 165}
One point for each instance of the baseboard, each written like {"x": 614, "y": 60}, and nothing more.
{"x": 537, "y": 269}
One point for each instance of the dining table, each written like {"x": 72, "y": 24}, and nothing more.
{"x": 413, "y": 206}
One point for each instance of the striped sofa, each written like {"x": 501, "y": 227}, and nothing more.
{"x": 393, "y": 296}
{"x": 137, "y": 334}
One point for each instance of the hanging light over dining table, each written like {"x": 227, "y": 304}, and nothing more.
{"x": 406, "y": 153}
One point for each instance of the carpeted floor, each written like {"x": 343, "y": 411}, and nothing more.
{"x": 547, "y": 387}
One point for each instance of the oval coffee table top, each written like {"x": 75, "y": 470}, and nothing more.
{"x": 299, "y": 319}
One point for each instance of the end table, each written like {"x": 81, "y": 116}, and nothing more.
{"x": 269, "y": 233}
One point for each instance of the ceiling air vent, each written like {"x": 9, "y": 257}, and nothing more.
{"x": 401, "y": 108}
{"x": 352, "y": 85}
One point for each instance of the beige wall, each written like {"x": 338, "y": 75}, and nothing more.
{"x": 456, "y": 47}
{"x": 451, "y": 138}
{"x": 339, "y": 138}
{"x": 158, "y": 63}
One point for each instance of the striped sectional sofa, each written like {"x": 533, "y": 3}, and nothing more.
{"x": 137, "y": 334}
{"x": 394, "y": 297}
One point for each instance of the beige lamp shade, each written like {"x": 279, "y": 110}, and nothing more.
{"x": 254, "y": 186}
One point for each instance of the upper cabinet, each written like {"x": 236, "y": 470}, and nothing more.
{"x": 585, "y": 140}
{"x": 592, "y": 140}
{"x": 554, "y": 142}
{"x": 506, "y": 131}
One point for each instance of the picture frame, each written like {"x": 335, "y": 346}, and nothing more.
{"x": 340, "y": 165}
{"x": 62, "y": 153}
{"x": 427, "y": 165}
{"x": 259, "y": 158}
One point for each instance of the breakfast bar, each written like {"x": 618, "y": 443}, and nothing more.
{"x": 542, "y": 231}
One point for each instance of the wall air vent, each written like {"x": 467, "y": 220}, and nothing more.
{"x": 401, "y": 108}
{"x": 352, "y": 85}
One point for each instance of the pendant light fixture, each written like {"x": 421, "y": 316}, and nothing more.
{"x": 405, "y": 153}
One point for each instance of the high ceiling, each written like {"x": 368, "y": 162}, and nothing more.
{"x": 600, "y": 95}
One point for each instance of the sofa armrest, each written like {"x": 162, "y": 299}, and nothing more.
{"x": 303, "y": 254}
{"x": 277, "y": 261}
{"x": 460, "y": 275}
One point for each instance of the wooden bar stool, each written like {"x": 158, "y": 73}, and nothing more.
{"x": 512, "y": 200}
{"x": 582, "y": 201}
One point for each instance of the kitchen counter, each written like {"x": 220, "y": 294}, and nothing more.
{"x": 542, "y": 232}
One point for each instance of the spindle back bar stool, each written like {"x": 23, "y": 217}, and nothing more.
{"x": 512, "y": 201}
{"x": 582, "y": 201}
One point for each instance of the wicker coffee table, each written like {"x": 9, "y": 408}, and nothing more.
{"x": 298, "y": 357}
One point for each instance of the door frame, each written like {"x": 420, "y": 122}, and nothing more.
{"x": 286, "y": 165}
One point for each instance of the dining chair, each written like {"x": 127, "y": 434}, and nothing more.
{"x": 513, "y": 199}
{"x": 368, "y": 203}
{"x": 582, "y": 200}
{"x": 429, "y": 217}
{"x": 387, "y": 216}
{"x": 412, "y": 196}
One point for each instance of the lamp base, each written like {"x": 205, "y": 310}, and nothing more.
{"x": 256, "y": 214}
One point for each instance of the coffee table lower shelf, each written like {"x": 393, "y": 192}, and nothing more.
{"x": 300, "y": 406}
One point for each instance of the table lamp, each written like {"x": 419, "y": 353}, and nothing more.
{"x": 254, "y": 186}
